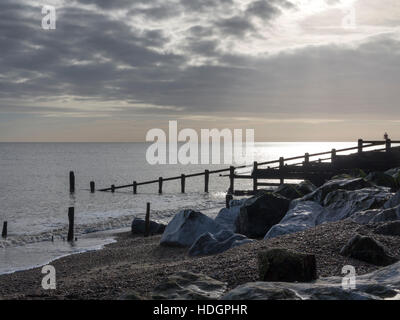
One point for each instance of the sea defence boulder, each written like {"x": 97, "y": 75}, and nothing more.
{"x": 208, "y": 244}
{"x": 337, "y": 205}
{"x": 259, "y": 213}
{"x": 389, "y": 229}
{"x": 139, "y": 225}
{"x": 286, "y": 266}
{"x": 394, "y": 201}
{"x": 303, "y": 216}
{"x": 189, "y": 286}
{"x": 344, "y": 184}
{"x": 381, "y": 284}
{"x": 186, "y": 227}
{"x": 295, "y": 191}
{"x": 227, "y": 216}
{"x": 377, "y": 215}
{"x": 367, "y": 249}
{"x": 382, "y": 179}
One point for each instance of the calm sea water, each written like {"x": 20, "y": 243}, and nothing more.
{"x": 34, "y": 193}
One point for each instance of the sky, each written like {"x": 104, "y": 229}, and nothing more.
{"x": 292, "y": 70}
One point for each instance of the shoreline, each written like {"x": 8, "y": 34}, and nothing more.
{"x": 136, "y": 264}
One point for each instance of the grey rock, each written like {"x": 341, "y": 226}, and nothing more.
{"x": 186, "y": 227}
{"x": 261, "y": 291}
{"x": 286, "y": 266}
{"x": 377, "y": 215}
{"x": 382, "y": 179}
{"x": 138, "y": 227}
{"x": 367, "y": 249}
{"x": 208, "y": 243}
{"x": 389, "y": 229}
{"x": 189, "y": 286}
{"x": 259, "y": 213}
{"x": 227, "y": 216}
{"x": 394, "y": 201}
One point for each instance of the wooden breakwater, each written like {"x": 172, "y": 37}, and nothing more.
{"x": 318, "y": 167}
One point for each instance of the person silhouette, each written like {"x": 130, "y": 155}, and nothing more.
{"x": 386, "y": 136}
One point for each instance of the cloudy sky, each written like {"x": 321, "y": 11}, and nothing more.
{"x": 113, "y": 69}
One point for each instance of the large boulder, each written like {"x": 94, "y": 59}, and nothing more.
{"x": 394, "y": 201}
{"x": 389, "y": 229}
{"x": 286, "y": 266}
{"x": 381, "y": 284}
{"x": 139, "y": 225}
{"x": 227, "y": 216}
{"x": 208, "y": 243}
{"x": 337, "y": 205}
{"x": 259, "y": 213}
{"x": 345, "y": 184}
{"x": 382, "y": 179}
{"x": 367, "y": 249}
{"x": 303, "y": 216}
{"x": 377, "y": 215}
{"x": 186, "y": 226}
{"x": 292, "y": 192}
{"x": 189, "y": 286}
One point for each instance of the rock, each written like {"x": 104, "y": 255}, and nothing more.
{"x": 261, "y": 291}
{"x": 132, "y": 295}
{"x": 227, "y": 216}
{"x": 377, "y": 215}
{"x": 186, "y": 227}
{"x": 345, "y": 184}
{"x": 286, "y": 266}
{"x": 382, "y": 179}
{"x": 288, "y": 191}
{"x": 208, "y": 243}
{"x": 337, "y": 205}
{"x": 306, "y": 187}
{"x": 138, "y": 227}
{"x": 367, "y": 249}
{"x": 189, "y": 286}
{"x": 389, "y": 229}
{"x": 259, "y": 213}
{"x": 395, "y": 172}
{"x": 381, "y": 284}
{"x": 301, "y": 217}
{"x": 394, "y": 201}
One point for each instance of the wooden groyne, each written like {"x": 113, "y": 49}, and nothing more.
{"x": 368, "y": 156}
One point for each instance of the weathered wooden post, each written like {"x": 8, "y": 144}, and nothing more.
{"x": 147, "y": 221}
{"x": 360, "y": 145}
{"x": 255, "y": 168}
{"x": 281, "y": 166}
{"x": 228, "y": 199}
{"x": 92, "y": 186}
{"x": 333, "y": 156}
{"x": 71, "y": 182}
{"x": 307, "y": 159}
{"x": 388, "y": 145}
{"x": 134, "y": 187}
{"x": 71, "y": 215}
{"x": 160, "y": 182}
{"x": 112, "y": 188}
{"x": 231, "y": 179}
{"x": 183, "y": 177}
{"x": 206, "y": 180}
{"x": 4, "y": 232}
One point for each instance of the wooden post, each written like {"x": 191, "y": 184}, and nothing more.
{"x": 281, "y": 166}
{"x": 134, "y": 187}
{"x": 255, "y": 168}
{"x": 4, "y": 232}
{"x": 92, "y": 186}
{"x": 147, "y": 221}
{"x": 307, "y": 159}
{"x": 160, "y": 182}
{"x": 71, "y": 182}
{"x": 71, "y": 214}
{"x": 206, "y": 180}
{"x": 183, "y": 177}
{"x": 231, "y": 179}
{"x": 360, "y": 145}
{"x": 388, "y": 145}
{"x": 228, "y": 199}
{"x": 112, "y": 188}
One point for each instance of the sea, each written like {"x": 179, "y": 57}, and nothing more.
{"x": 34, "y": 193}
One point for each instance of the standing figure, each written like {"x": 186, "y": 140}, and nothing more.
{"x": 386, "y": 136}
